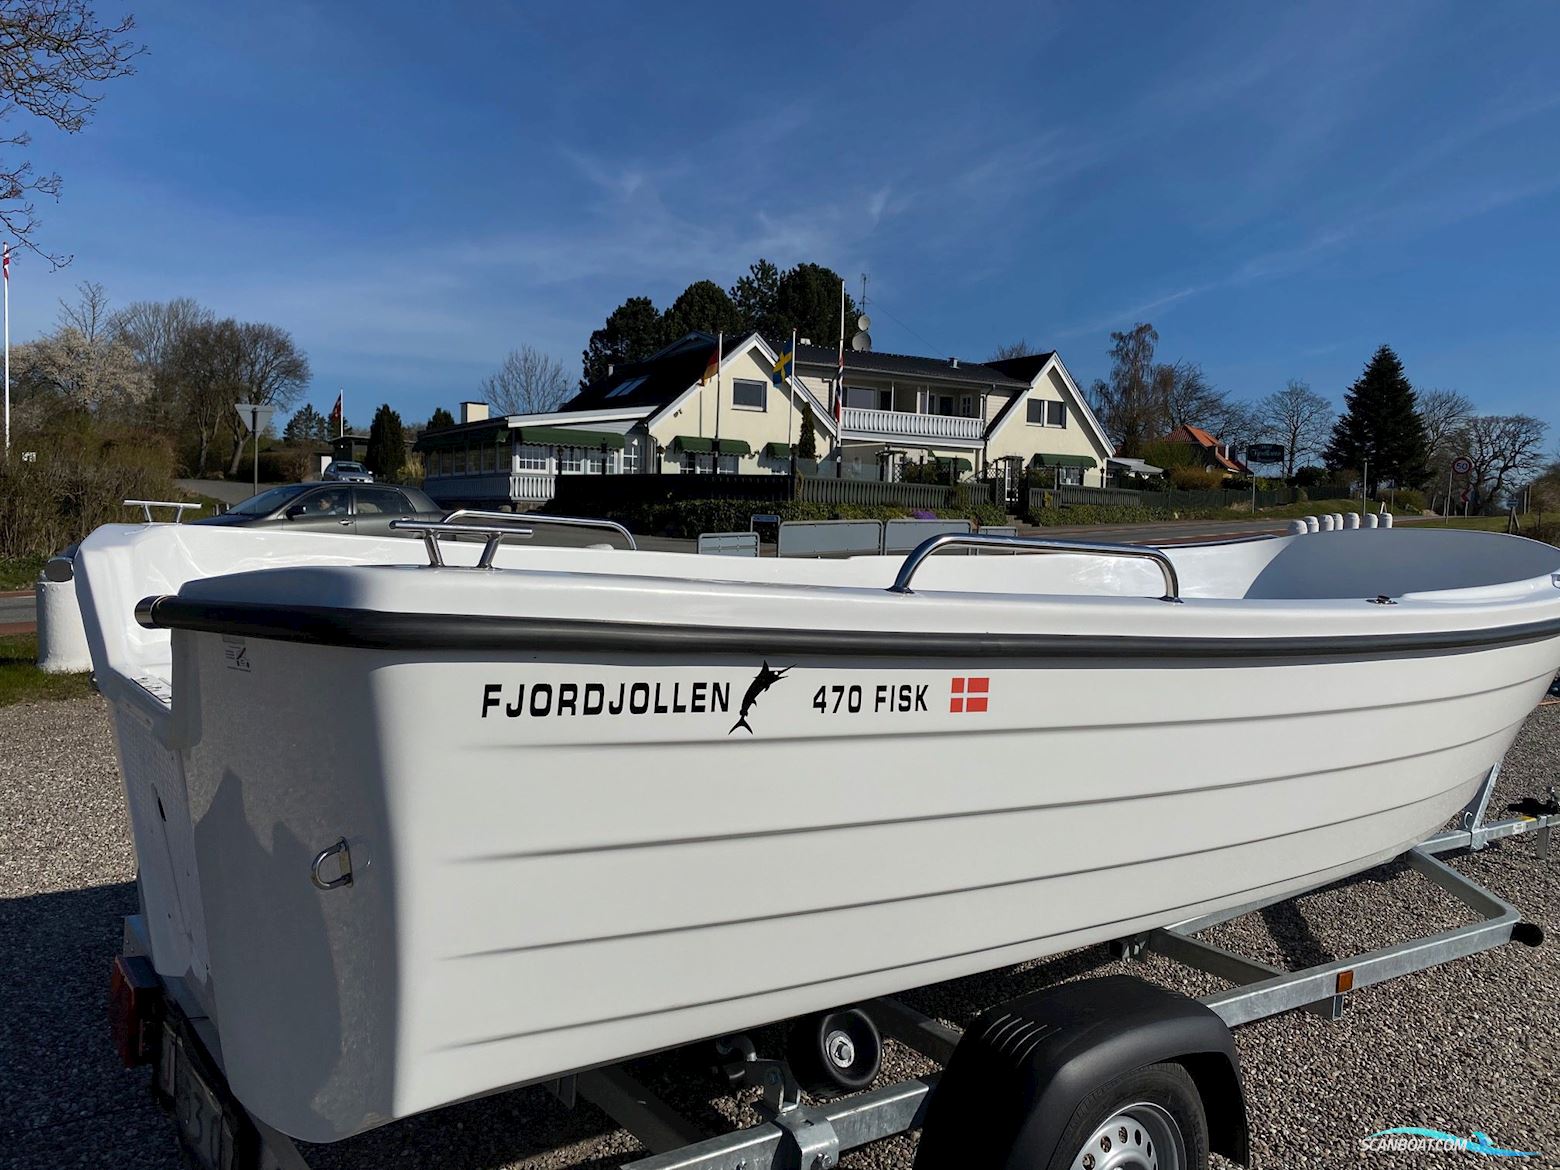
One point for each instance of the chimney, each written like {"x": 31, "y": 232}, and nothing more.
{"x": 610, "y": 367}
{"x": 473, "y": 411}
{"x": 954, "y": 362}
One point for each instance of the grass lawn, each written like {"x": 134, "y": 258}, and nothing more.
{"x": 22, "y": 682}
{"x": 19, "y": 572}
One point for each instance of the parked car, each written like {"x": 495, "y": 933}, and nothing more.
{"x": 332, "y": 507}
{"x": 346, "y": 471}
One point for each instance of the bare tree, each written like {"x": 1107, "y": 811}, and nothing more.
{"x": 1126, "y": 404}
{"x": 1503, "y": 448}
{"x": 266, "y": 366}
{"x": 1013, "y": 349}
{"x": 152, "y": 329}
{"x": 1444, "y": 414}
{"x": 53, "y": 53}
{"x": 89, "y": 316}
{"x": 1298, "y": 418}
{"x": 529, "y": 382}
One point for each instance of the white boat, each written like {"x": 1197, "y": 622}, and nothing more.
{"x": 595, "y": 803}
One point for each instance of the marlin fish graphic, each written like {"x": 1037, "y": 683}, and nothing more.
{"x": 765, "y": 679}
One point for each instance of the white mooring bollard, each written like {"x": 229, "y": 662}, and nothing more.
{"x": 62, "y": 639}
{"x": 1298, "y": 528}
{"x": 1386, "y": 519}
{"x": 1312, "y": 524}
{"x": 1351, "y": 519}
{"x": 1368, "y": 520}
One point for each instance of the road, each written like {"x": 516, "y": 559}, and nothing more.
{"x": 16, "y": 608}
{"x": 229, "y": 491}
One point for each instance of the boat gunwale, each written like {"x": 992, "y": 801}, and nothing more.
{"x": 367, "y": 629}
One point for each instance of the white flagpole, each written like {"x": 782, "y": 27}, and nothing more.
{"x": 720, "y": 360}
{"x": 7, "y": 262}
{"x": 839, "y": 401}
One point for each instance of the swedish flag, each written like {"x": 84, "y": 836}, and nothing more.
{"x": 782, "y": 367}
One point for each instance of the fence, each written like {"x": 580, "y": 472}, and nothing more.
{"x": 870, "y": 493}
{"x": 595, "y": 494}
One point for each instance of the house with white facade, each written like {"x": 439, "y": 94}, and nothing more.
{"x": 682, "y": 411}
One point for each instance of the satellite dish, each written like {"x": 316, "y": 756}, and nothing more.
{"x": 861, "y": 342}
{"x": 863, "y": 322}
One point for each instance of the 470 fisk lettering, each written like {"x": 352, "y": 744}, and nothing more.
{"x": 839, "y": 699}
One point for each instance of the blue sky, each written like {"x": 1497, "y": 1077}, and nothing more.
{"x": 412, "y": 191}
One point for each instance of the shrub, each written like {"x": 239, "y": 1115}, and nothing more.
{"x": 79, "y": 481}
{"x": 1196, "y": 479}
{"x": 1408, "y": 500}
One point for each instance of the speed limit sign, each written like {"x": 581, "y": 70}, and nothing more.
{"x": 1462, "y": 465}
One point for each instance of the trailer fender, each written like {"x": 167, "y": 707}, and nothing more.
{"x": 1021, "y": 1070}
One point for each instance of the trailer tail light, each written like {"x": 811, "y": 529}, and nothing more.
{"x": 134, "y": 1008}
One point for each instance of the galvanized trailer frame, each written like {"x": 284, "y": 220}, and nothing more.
{"x": 801, "y": 1135}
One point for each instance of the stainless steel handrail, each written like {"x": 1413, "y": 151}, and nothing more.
{"x": 533, "y": 518}
{"x": 179, "y": 508}
{"x": 1039, "y": 545}
{"x": 433, "y": 529}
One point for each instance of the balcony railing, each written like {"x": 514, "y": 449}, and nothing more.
{"x": 899, "y": 423}
{"x": 532, "y": 486}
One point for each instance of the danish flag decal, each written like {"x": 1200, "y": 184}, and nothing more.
{"x": 969, "y": 695}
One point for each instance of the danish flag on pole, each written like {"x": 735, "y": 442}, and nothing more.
{"x": 335, "y": 413}
{"x": 6, "y": 264}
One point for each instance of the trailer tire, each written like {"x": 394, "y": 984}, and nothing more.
{"x": 835, "y": 1052}
{"x": 1151, "y": 1117}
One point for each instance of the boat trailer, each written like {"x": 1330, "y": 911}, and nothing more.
{"x": 157, "y": 1022}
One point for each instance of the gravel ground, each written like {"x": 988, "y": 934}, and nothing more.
{"x": 1468, "y": 1046}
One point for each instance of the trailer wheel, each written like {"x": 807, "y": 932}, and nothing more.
{"x": 1149, "y": 1119}
{"x": 834, "y": 1052}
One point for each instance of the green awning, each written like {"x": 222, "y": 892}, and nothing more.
{"x": 959, "y": 465}
{"x": 696, "y": 445}
{"x": 1062, "y": 461}
{"x": 569, "y": 437}
{"x": 777, "y": 450}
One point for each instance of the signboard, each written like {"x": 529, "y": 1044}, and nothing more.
{"x": 1265, "y": 453}
{"x": 256, "y": 415}
{"x": 1462, "y": 465}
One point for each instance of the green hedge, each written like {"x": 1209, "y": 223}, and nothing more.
{"x": 1089, "y": 514}
{"x": 688, "y": 518}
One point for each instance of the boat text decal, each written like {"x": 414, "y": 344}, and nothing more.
{"x": 538, "y": 700}
{"x": 762, "y": 681}
{"x": 839, "y": 699}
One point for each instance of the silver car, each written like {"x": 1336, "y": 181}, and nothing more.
{"x": 346, "y": 471}
{"x": 332, "y": 507}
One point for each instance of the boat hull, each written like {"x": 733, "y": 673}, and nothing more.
{"x": 560, "y": 861}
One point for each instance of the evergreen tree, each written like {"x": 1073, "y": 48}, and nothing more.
{"x": 703, "y": 306}
{"x": 1381, "y": 424}
{"x": 633, "y": 332}
{"x": 807, "y": 439}
{"x": 809, "y": 302}
{"x": 386, "y": 444}
{"x": 440, "y": 420}
{"x": 757, "y": 299}
{"x": 304, "y": 426}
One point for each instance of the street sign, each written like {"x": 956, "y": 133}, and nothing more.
{"x": 1462, "y": 465}
{"x": 256, "y": 415}
{"x": 1265, "y": 453}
